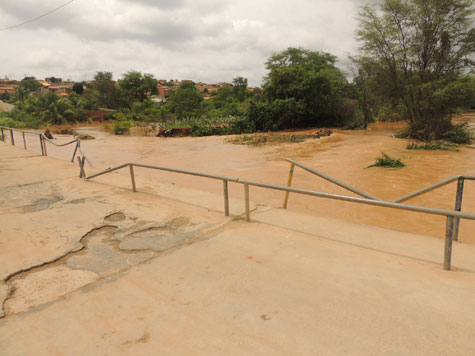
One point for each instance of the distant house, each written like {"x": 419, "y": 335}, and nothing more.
{"x": 60, "y": 90}
{"x": 7, "y": 89}
{"x": 44, "y": 83}
{"x": 163, "y": 91}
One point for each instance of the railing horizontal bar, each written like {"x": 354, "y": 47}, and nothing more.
{"x": 206, "y": 175}
{"x": 60, "y": 145}
{"x": 394, "y": 205}
{"x": 468, "y": 177}
{"x": 108, "y": 171}
{"x": 333, "y": 180}
{"x": 29, "y": 132}
{"x": 416, "y": 208}
{"x": 427, "y": 189}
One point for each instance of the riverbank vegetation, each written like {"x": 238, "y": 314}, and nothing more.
{"x": 416, "y": 57}
{"x": 386, "y": 161}
{"x": 415, "y": 64}
{"x": 432, "y": 146}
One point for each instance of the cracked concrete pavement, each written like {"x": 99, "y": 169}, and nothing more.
{"x": 91, "y": 268}
{"x": 58, "y": 235}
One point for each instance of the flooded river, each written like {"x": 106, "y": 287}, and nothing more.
{"x": 344, "y": 156}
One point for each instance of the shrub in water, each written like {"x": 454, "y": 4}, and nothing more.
{"x": 387, "y": 162}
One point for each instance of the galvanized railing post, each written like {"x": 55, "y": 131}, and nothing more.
{"x": 226, "y": 198}
{"x": 11, "y": 137}
{"x": 458, "y": 207}
{"x": 246, "y": 198}
{"x": 44, "y": 145}
{"x": 75, "y": 150}
{"x": 41, "y": 145}
{"x": 80, "y": 168}
{"x": 448, "y": 242}
{"x": 82, "y": 172}
{"x": 132, "y": 177}
{"x": 24, "y": 140}
{"x": 289, "y": 183}
{"x": 83, "y": 164}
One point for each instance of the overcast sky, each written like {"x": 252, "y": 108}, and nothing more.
{"x": 201, "y": 40}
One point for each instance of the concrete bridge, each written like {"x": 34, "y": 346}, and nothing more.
{"x": 91, "y": 268}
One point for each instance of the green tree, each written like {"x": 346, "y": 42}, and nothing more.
{"x": 21, "y": 93}
{"x": 420, "y": 51}
{"x": 185, "y": 101}
{"x": 108, "y": 93}
{"x": 309, "y": 81}
{"x": 240, "y": 87}
{"x": 50, "y": 108}
{"x": 138, "y": 86}
{"x": 78, "y": 88}
{"x": 6, "y": 97}
{"x": 78, "y": 103}
{"x": 29, "y": 84}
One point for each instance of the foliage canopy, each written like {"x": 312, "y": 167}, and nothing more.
{"x": 419, "y": 52}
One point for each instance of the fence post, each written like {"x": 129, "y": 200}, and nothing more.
{"x": 24, "y": 140}
{"x": 41, "y": 145}
{"x": 3, "y": 135}
{"x": 458, "y": 207}
{"x": 11, "y": 137}
{"x": 44, "y": 145}
{"x": 82, "y": 173}
{"x": 289, "y": 183}
{"x": 75, "y": 150}
{"x": 80, "y": 168}
{"x": 448, "y": 242}
{"x": 246, "y": 198}
{"x": 132, "y": 177}
{"x": 226, "y": 198}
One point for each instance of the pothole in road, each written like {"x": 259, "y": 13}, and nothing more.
{"x": 106, "y": 250}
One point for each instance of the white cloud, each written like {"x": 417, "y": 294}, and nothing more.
{"x": 207, "y": 40}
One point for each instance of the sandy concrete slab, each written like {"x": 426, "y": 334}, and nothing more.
{"x": 425, "y": 248}
{"x": 255, "y": 289}
{"x": 63, "y": 223}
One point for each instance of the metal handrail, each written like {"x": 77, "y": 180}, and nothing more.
{"x": 13, "y": 129}
{"x": 61, "y": 145}
{"x": 458, "y": 199}
{"x": 43, "y": 140}
{"x": 434, "y": 186}
{"x": 331, "y": 179}
{"x": 450, "y": 214}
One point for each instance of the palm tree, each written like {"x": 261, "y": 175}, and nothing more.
{"x": 51, "y": 108}
{"x": 78, "y": 103}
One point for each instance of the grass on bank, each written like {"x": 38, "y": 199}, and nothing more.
{"x": 432, "y": 146}
{"x": 386, "y": 161}
{"x": 259, "y": 140}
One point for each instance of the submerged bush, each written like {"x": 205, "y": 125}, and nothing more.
{"x": 122, "y": 127}
{"x": 387, "y": 162}
{"x": 431, "y": 146}
{"x": 460, "y": 134}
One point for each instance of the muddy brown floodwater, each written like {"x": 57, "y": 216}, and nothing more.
{"x": 345, "y": 156}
